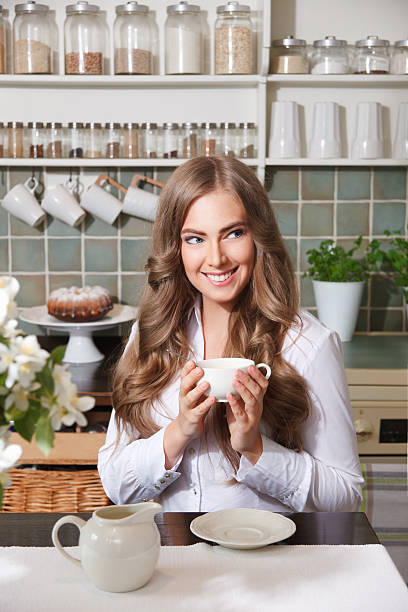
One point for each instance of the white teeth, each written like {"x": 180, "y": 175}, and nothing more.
{"x": 219, "y": 277}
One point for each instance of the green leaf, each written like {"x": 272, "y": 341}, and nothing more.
{"x": 46, "y": 379}
{"x": 44, "y": 435}
{"x": 26, "y": 423}
{"x": 57, "y": 355}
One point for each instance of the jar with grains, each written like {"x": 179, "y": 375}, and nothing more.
{"x": 94, "y": 142}
{"x": 234, "y": 39}
{"x": 3, "y": 150}
{"x": 76, "y": 139}
{"x": 372, "y": 56}
{"x": 3, "y": 46}
{"x": 209, "y": 139}
{"x": 53, "y": 140}
{"x": 329, "y": 56}
{"x": 171, "y": 134}
{"x": 113, "y": 135}
{"x": 148, "y": 140}
{"x": 229, "y": 139}
{"x": 247, "y": 140}
{"x": 15, "y": 139}
{"x": 130, "y": 140}
{"x": 32, "y": 39}
{"x": 183, "y": 39}
{"x": 399, "y": 60}
{"x": 86, "y": 39}
{"x": 288, "y": 56}
{"x": 35, "y": 139}
{"x": 190, "y": 140}
{"x": 133, "y": 39}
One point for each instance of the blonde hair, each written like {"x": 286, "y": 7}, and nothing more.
{"x": 267, "y": 308}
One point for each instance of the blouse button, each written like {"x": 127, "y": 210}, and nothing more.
{"x": 156, "y": 487}
{"x": 163, "y": 481}
{"x": 191, "y": 451}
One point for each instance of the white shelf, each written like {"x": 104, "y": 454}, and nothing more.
{"x": 339, "y": 80}
{"x": 158, "y": 162}
{"x": 343, "y": 161}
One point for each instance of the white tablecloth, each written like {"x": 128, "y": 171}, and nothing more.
{"x": 205, "y": 578}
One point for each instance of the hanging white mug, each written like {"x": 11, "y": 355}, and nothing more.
{"x": 21, "y": 202}
{"x": 325, "y": 139}
{"x": 368, "y": 142}
{"x": 100, "y": 202}
{"x": 60, "y": 202}
{"x": 140, "y": 203}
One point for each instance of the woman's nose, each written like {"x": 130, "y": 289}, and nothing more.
{"x": 216, "y": 257}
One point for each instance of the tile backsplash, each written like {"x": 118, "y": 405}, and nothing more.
{"x": 311, "y": 204}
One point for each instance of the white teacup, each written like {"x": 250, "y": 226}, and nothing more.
{"x": 21, "y": 203}
{"x": 221, "y": 372}
{"x": 60, "y": 203}
{"x": 101, "y": 203}
{"x": 140, "y": 203}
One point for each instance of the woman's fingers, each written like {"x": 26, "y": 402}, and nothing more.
{"x": 193, "y": 396}
{"x": 189, "y": 377}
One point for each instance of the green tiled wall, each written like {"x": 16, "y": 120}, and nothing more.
{"x": 311, "y": 204}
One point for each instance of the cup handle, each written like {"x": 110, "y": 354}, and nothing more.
{"x": 267, "y": 368}
{"x": 139, "y": 177}
{"x": 75, "y": 520}
{"x": 104, "y": 177}
{"x": 33, "y": 180}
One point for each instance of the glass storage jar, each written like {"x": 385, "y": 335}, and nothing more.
{"x": 15, "y": 139}
{"x": 228, "y": 137}
{"x": 130, "y": 140}
{"x": 32, "y": 39}
{"x": 35, "y": 139}
{"x": 53, "y": 140}
{"x": 76, "y": 140}
{"x": 113, "y": 134}
{"x": 288, "y": 56}
{"x": 3, "y": 46}
{"x": 132, "y": 39}
{"x": 86, "y": 39}
{"x": 329, "y": 56}
{"x": 93, "y": 140}
{"x": 190, "y": 136}
{"x": 247, "y": 140}
{"x": 209, "y": 139}
{"x": 372, "y": 56}
{"x": 399, "y": 60}
{"x": 171, "y": 135}
{"x": 183, "y": 39}
{"x": 233, "y": 39}
{"x": 148, "y": 140}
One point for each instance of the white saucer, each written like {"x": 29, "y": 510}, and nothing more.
{"x": 243, "y": 527}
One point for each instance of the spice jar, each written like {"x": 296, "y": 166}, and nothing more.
{"x": 190, "y": 136}
{"x": 3, "y": 63}
{"x": 15, "y": 139}
{"x": 170, "y": 140}
{"x": 2, "y": 139}
{"x": 132, "y": 39}
{"x": 247, "y": 140}
{"x": 130, "y": 140}
{"x": 93, "y": 140}
{"x": 148, "y": 140}
{"x": 329, "y": 56}
{"x": 76, "y": 143}
{"x": 53, "y": 140}
{"x": 233, "y": 39}
{"x": 372, "y": 56}
{"x": 183, "y": 39}
{"x": 35, "y": 139}
{"x": 113, "y": 139}
{"x": 32, "y": 39}
{"x": 289, "y": 56}
{"x": 228, "y": 133}
{"x": 209, "y": 139}
{"x": 86, "y": 39}
{"x": 399, "y": 60}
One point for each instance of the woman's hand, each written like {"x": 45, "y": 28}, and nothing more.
{"x": 193, "y": 404}
{"x": 244, "y": 412}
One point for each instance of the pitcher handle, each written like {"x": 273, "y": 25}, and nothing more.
{"x": 104, "y": 177}
{"x": 75, "y": 520}
{"x": 139, "y": 177}
{"x": 267, "y": 368}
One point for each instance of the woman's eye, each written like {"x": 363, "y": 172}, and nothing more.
{"x": 193, "y": 240}
{"x": 236, "y": 233}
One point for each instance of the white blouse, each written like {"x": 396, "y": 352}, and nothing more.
{"x": 324, "y": 476}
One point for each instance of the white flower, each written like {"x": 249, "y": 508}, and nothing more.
{"x": 10, "y": 286}
{"x": 9, "y": 454}
{"x": 68, "y": 407}
{"x": 6, "y": 357}
{"x": 18, "y": 398}
{"x": 29, "y": 358}
{"x": 10, "y": 329}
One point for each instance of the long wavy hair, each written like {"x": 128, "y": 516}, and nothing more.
{"x": 258, "y": 323}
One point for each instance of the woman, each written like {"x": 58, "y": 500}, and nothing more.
{"x": 220, "y": 283}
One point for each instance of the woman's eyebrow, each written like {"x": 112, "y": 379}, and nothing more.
{"x": 190, "y": 230}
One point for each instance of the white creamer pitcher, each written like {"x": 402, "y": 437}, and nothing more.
{"x": 119, "y": 545}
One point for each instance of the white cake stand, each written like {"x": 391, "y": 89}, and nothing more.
{"x": 81, "y": 347}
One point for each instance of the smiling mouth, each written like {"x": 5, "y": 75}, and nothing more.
{"x": 219, "y": 278}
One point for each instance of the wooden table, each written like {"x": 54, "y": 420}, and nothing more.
{"x": 34, "y": 529}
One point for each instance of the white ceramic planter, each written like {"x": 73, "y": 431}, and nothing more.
{"x": 338, "y": 305}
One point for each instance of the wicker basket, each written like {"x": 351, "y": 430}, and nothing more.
{"x": 54, "y": 491}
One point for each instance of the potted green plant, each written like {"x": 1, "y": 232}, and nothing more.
{"x": 338, "y": 282}
{"x": 397, "y": 258}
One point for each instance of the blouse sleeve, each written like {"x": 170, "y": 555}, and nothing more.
{"x": 325, "y": 476}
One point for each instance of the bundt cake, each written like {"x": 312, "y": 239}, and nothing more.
{"x": 76, "y": 304}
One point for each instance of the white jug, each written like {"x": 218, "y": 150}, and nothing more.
{"x": 119, "y": 545}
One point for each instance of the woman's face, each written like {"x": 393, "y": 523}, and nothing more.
{"x": 217, "y": 248}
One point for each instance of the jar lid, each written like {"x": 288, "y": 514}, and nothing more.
{"x": 227, "y": 125}
{"x": 93, "y": 125}
{"x": 247, "y": 126}
{"x": 289, "y": 41}
{"x": 149, "y": 126}
{"x": 372, "y": 41}
{"x": 31, "y": 7}
{"x": 188, "y": 124}
{"x": 15, "y": 124}
{"x": 131, "y": 126}
{"x": 207, "y": 125}
{"x": 183, "y": 7}
{"x": 330, "y": 41}
{"x": 76, "y": 125}
{"x": 233, "y": 7}
{"x": 401, "y": 43}
{"x": 169, "y": 125}
{"x": 81, "y": 7}
{"x": 112, "y": 125}
{"x": 131, "y": 7}
{"x": 54, "y": 125}
{"x": 35, "y": 124}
